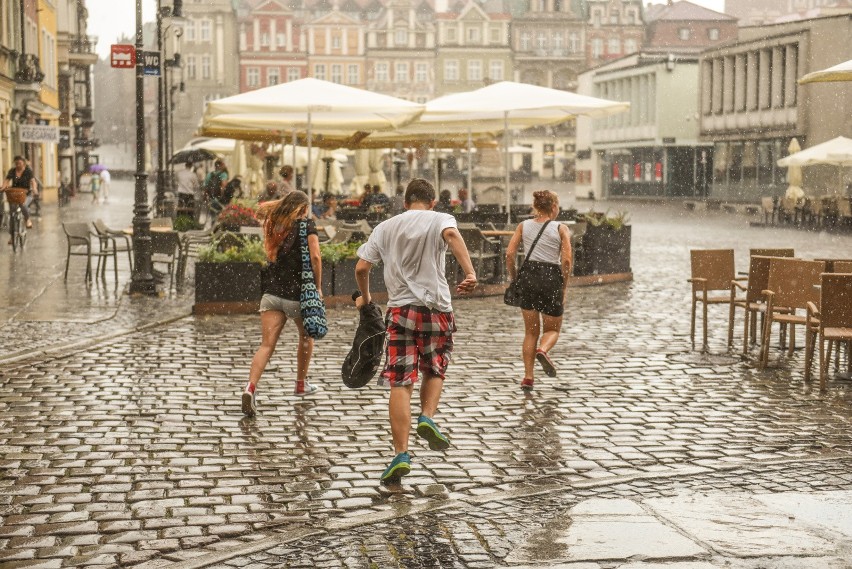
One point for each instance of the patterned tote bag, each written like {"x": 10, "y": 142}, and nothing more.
{"x": 310, "y": 303}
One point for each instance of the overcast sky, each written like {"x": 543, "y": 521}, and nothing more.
{"x": 110, "y": 19}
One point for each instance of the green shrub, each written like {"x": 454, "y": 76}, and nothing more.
{"x": 186, "y": 223}
{"x": 334, "y": 252}
{"x": 230, "y": 247}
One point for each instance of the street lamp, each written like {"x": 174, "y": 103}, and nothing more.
{"x": 142, "y": 281}
{"x": 174, "y": 13}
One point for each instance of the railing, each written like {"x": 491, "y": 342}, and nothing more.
{"x": 28, "y": 69}
{"x": 84, "y": 44}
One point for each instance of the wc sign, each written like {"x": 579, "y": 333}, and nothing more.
{"x": 151, "y": 62}
{"x": 122, "y": 56}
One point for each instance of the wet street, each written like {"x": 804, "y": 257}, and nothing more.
{"x": 122, "y": 441}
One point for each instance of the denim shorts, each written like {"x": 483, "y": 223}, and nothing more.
{"x": 290, "y": 308}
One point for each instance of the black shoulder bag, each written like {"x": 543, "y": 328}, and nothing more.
{"x": 512, "y": 294}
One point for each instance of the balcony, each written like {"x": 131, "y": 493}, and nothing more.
{"x": 28, "y": 70}
{"x": 82, "y": 51}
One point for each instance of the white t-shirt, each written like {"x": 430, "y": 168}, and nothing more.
{"x": 105, "y": 177}
{"x": 412, "y": 248}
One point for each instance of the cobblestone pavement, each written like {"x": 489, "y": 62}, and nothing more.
{"x": 133, "y": 450}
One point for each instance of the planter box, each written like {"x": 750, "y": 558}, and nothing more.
{"x": 227, "y": 288}
{"x": 344, "y": 278}
{"x": 603, "y": 251}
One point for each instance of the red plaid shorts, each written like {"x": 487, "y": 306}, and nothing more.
{"x": 418, "y": 339}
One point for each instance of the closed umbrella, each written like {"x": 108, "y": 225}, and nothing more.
{"x": 794, "y": 174}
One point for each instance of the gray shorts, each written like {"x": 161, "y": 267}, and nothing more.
{"x": 290, "y": 308}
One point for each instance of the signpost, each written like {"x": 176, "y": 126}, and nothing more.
{"x": 122, "y": 56}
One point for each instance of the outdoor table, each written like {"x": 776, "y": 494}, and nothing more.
{"x": 497, "y": 232}
{"x": 129, "y": 230}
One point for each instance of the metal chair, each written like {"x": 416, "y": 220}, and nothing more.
{"x": 712, "y": 270}
{"x": 792, "y": 284}
{"x": 190, "y": 243}
{"x": 81, "y": 243}
{"x": 165, "y": 248}
{"x": 112, "y": 237}
{"x": 483, "y": 249}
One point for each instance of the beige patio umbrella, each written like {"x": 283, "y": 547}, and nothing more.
{"x": 839, "y": 72}
{"x": 836, "y": 152}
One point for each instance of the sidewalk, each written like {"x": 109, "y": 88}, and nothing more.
{"x": 131, "y": 451}
{"x": 40, "y": 310}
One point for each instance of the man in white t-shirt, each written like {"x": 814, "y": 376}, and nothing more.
{"x": 420, "y": 323}
{"x": 106, "y": 179}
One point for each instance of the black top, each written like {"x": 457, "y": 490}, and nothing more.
{"x": 24, "y": 181}
{"x": 283, "y": 278}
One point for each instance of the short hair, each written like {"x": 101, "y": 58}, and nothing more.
{"x": 18, "y": 157}
{"x": 271, "y": 186}
{"x": 188, "y": 164}
{"x": 219, "y": 162}
{"x": 376, "y": 188}
{"x": 419, "y": 191}
{"x": 446, "y": 195}
{"x": 286, "y": 171}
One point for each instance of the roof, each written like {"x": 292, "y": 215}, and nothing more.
{"x": 684, "y": 11}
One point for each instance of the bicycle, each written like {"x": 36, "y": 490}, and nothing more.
{"x": 17, "y": 227}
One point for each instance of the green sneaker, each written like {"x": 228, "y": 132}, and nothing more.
{"x": 399, "y": 467}
{"x": 426, "y": 429}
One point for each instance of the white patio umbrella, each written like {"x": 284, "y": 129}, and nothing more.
{"x": 839, "y": 72}
{"x": 309, "y": 106}
{"x": 503, "y": 106}
{"x": 837, "y": 152}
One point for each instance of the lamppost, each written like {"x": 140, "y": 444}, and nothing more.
{"x": 173, "y": 12}
{"x": 142, "y": 281}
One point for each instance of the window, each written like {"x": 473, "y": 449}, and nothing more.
{"x": 613, "y": 17}
{"x": 473, "y": 34}
{"x": 613, "y": 46}
{"x": 382, "y": 75}
{"x": 451, "y": 34}
{"x": 319, "y": 71}
{"x": 335, "y": 42}
{"x": 630, "y": 46}
{"x": 273, "y": 76}
{"x": 421, "y": 72}
{"x": 205, "y": 67}
{"x": 597, "y": 47}
{"x": 353, "y": 75}
{"x": 684, "y": 34}
{"x": 474, "y": 70}
{"x": 597, "y": 17}
{"x": 451, "y": 70}
{"x": 189, "y": 30}
{"x": 264, "y": 39}
{"x": 541, "y": 41}
{"x": 495, "y": 35}
{"x": 190, "y": 67}
{"x": 253, "y": 77}
{"x": 337, "y": 73}
{"x": 280, "y": 40}
{"x": 558, "y": 41}
{"x": 400, "y": 38}
{"x": 204, "y": 26}
{"x": 401, "y": 73}
{"x": 573, "y": 42}
{"x": 495, "y": 70}
{"x": 525, "y": 41}
{"x": 713, "y": 34}
{"x": 293, "y": 74}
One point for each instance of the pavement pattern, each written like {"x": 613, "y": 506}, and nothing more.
{"x": 130, "y": 450}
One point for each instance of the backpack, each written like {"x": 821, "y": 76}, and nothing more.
{"x": 212, "y": 185}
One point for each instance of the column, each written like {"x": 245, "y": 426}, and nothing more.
{"x": 255, "y": 35}
{"x": 289, "y": 35}
{"x": 273, "y": 31}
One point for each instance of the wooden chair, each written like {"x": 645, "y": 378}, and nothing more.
{"x": 767, "y": 206}
{"x": 841, "y": 267}
{"x": 84, "y": 243}
{"x": 831, "y": 322}
{"x": 788, "y": 211}
{"x": 712, "y": 270}
{"x": 754, "y": 302}
{"x": 772, "y": 253}
{"x": 792, "y": 284}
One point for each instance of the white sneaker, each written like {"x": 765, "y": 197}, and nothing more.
{"x": 307, "y": 390}
{"x": 249, "y": 401}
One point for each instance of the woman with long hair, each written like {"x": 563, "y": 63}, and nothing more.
{"x": 281, "y": 284}
{"x": 542, "y": 281}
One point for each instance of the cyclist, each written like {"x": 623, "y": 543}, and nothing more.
{"x": 22, "y": 177}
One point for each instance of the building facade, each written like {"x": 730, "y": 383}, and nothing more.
{"x": 473, "y": 48}
{"x": 653, "y": 150}
{"x": 336, "y": 48}
{"x": 683, "y": 27}
{"x": 272, "y": 49}
{"x": 759, "y": 12}
{"x": 209, "y": 53}
{"x": 751, "y": 105}
{"x": 401, "y": 51}
{"x": 10, "y": 48}
{"x": 614, "y": 28}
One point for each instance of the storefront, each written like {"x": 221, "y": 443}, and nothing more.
{"x": 657, "y": 171}
{"x": 746, "y": 170}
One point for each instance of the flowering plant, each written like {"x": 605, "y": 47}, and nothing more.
{"x": 236, "y": 215}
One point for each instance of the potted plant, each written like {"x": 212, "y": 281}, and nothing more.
{"x": 604, "y": 247}
{"x": 227, "y": 275}
{"x": 239, "y": 213}
{"x": 342, "y": 257}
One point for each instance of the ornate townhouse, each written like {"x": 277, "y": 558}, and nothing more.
{"x": 10, "y": 49}
{"x": 76, "y": 54}
{"x": 401, "y": 50}
{"x": 473, "y": 48}
{"x": 335, "y": 45}
{"x": 683, "y": 27}
{"x": 751, "y": 105}
{"x": 210, "y": 62}
{"x": 614, "y": 29}
{"x": 272, "y": 49}
{"x": 759, "y": 12}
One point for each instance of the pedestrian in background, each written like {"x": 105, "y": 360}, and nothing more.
{"x": 281, "y": 281}
{"x": 420, "y": 322}
{"x": 96, "y": 187}
{"x": 187, "y": 188}
{"x": 286, "y": 173}
{"x": 542, "y": 281}
{"x": 445, "y": 203}
{"x": 21, "y": 176}
{"x": 106, "y": 179}
{"x": 397, "y": 202}
{"x": 467, "y": 203}
{"x": 270, "y": 193}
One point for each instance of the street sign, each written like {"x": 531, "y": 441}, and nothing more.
{"x": 38, "y": 133}
{"x": 151, "y": 61}
{"x": 122, "y": 56}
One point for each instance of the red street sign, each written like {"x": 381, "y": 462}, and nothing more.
{"x": 122, "y": 56}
